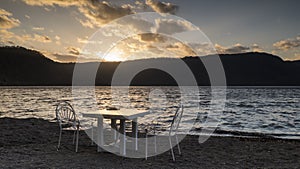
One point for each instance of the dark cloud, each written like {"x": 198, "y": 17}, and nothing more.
{"x": 73, "y": 50}
{"x": 170, "y": 26}
{"x": 162, "y": 7}
{"x": 151, "y": 37}
{"x": 100, "y": 13}
{"x": 287, "y": 44}
{"x": 6, "y": 21}
{"x": 96, "y": 12}
{"x": 40, "y": 38}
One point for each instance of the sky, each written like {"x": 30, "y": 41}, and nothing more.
{"x": 61, "y": 29}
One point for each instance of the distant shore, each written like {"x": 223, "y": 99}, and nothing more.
{"x": 31, "y": 143}
{"x": 21, "y": 66}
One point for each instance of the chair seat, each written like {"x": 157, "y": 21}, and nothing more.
{"x": 69, "y": 124}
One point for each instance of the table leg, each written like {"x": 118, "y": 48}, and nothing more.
{"x": 100, "y": 134}
{"x": 135, "y": 134}
{"x": 123, "y": 137}
{"x": 114, "y": 127}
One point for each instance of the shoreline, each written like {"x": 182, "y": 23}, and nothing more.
{"x": 250, "y": 134}
{"x": 31, "y": 143}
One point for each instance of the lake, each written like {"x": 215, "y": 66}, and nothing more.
{"x": 248, "y": 111}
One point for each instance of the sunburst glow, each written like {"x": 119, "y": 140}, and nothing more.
{"x": 114, "y": 56}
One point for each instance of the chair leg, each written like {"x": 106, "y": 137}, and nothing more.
{"x": 92, "y": 143}
{"x": 74, "y": 135}
{"x": 155, "y": 147}
{"x": 59, "y": 139}
{"x": 172, "y": 152}
{"x": 116, "y": 134}
{"x": 179, "y": 151}
{"x": 146, "y": 150}
{"x": 77, "y": 138}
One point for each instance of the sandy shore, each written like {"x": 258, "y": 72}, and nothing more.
{"x": 31, "y": 143}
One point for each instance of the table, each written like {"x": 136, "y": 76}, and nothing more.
{"x": 114, "y": 115}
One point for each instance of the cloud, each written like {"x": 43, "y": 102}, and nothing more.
{"x": 180, "y": 49}
{"x": 6, "y": 21}
{"x": 81, "y": 40}
{"x": 86, "y": 23}
{"x": 151, "y": 37}
{"x": 47, "y": 9}
{"x": 64, "y": 57}
{"x": 237, "y": 48}
{"x": 33, "y": 38}
{"x": 170, "y": 26}
{"x": 151, "y": 45}
{"x": 154, "y": 46}
{"x": 162, "y": 7}
{"x": 134, "y": 48}
{"x": 296, "y": 56}
{"x": 5, "y": 36}
{"x": 41, "y": 38}
{"x": 132, "y": 24}
{"x": 60, "y": 57}
{"x": 86, "y": 41}
{"x": 63, "y": 3}
{"x": 203, "y": 49}
{"x": 57, "y": 40}
{"x": 97, "y": 13}
{"x": 287, "y": 44}
{"x": 256, "y": 48}
{"x": 100, "y": 13}
{"x": 38, "y": 28}
{"x": 57, "y": 37}
{"x": 73, "y": 50}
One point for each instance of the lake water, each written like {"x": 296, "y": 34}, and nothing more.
{"x": 248, "y": 112}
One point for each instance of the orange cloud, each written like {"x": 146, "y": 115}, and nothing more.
{"x": 38, "y": 28}
{"x": 6, "y": 21}
{"x": 41, "y": 38}
{"x": 237, "y": 48}
{"x": 288, "y": 43}
{"x": 97, "y": 13}
{"x": 73, "y": 50}
{"x": 162, "y": 7}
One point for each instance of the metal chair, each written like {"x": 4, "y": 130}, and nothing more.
{"x": 66, "y": 118}
{"x": 172, "y": 131}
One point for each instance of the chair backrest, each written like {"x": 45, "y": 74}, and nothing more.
{"x": 176, "y": 120}
{"x": 65, "y": 114}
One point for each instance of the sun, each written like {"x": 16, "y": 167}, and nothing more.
{"x": 114, "y": 56}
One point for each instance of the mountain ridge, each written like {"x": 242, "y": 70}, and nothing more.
{"x": 20, "y": 66}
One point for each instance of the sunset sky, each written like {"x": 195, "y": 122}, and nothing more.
{"x": 60, "y": 28}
